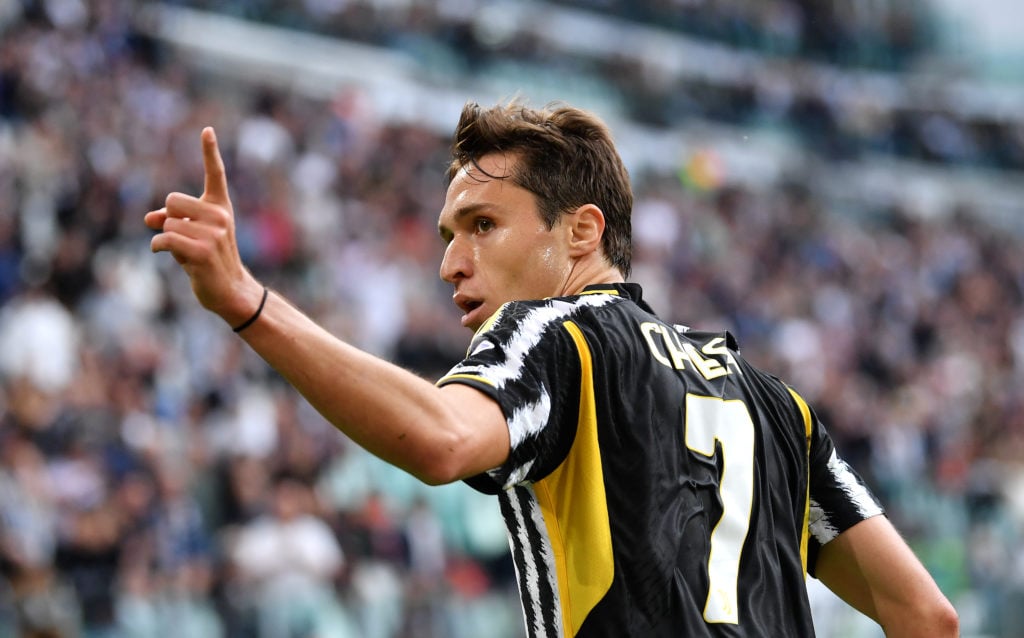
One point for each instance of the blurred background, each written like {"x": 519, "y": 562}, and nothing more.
{"x": 840, "y": 184}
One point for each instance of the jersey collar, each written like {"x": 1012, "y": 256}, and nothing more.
{"x": 631, "y": 291}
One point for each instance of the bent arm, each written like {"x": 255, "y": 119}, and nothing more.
{"x": 872, "y": 568}
{"x": 437, "y": 434}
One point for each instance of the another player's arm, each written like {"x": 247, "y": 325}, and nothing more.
{"x": 437, "y": 434}
{"x": 872, "y": 568}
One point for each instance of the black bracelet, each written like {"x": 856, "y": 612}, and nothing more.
{"x": 256, "y": 315}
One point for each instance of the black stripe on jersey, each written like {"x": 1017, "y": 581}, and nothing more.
{"x": 540, "y": 599}
{"x": 514, "y": 523}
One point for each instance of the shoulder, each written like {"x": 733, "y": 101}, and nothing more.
{"x": 529, "y": 320}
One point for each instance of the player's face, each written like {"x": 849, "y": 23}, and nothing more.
{"x": 498, "y": 247}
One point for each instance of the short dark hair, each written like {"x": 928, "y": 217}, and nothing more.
{"x": 566, "y": 158}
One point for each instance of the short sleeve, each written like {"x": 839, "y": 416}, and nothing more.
{"x": 839, "y": 497}
{"x": 526, "y": 361}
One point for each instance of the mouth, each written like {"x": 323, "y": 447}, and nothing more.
{"x": 470, "y": 307}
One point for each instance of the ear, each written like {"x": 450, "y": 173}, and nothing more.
{"x": 587, "y": 229}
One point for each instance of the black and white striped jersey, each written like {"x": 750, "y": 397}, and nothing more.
{"x": 658, "y": 484}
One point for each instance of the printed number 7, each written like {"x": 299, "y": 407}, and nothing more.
{"x": 709, "y": 419}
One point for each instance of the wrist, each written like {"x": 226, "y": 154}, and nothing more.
{"x": 239, "y": 302}
{"x": 256, "y": 313}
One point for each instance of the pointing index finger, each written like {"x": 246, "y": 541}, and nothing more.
{"x": 215, "y": 188}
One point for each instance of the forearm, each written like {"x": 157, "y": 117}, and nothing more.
{"x": 393, "y": 413}
{"x": 871, "y": 568}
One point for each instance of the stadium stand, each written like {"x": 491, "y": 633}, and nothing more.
{"x": 853, "y": 219}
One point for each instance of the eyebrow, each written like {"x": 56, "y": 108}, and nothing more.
{"x": 461, "y": 213}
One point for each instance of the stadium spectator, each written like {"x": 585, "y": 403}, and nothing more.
{"x": 285, "y": 563}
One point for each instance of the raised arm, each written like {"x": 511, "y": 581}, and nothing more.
{"x": 437, "y": 434}
{"x": 872, "y": 568}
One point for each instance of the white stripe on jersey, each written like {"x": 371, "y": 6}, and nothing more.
{"x": 515, "y": 477}
{"x": 530, "y": 538}
{"x": 818, "y": 522}
{"x": 528, "y": 334}
{"x": 529, "y": 419}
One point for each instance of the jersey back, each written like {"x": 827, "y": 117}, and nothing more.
{"x": 658, "y": 484}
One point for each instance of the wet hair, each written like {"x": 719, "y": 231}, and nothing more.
{"x": 566, "y": 158}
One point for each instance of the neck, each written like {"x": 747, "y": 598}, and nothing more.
{"x": 587, "y": 274}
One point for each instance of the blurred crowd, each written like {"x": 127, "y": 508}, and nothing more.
{"x": 156, "y": 479}
{"x": 883, "y": 35}
{"x": 773, "y": 75}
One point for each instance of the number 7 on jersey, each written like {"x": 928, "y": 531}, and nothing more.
{"x": 710, "y": 419}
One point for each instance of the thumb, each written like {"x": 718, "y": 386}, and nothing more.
{"x": 215, "y": 188}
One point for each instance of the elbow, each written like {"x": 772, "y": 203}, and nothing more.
{"x": 454, "y": 458}
{"x": 941, "y": 618}
{"x": 938, "y": 619}
{"x": 434, "y": 479}
{"x": 437, "y": 464}
{"x": 457, "y": 449}
{"x": 433, "y": 473}
{"x": 946, "y": 620}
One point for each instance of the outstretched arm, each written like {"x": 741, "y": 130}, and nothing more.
{"x": 872, "y": 568}
{"x": 437, "y": 434}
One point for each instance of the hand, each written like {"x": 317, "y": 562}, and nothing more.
{"x": 200, "y": 233}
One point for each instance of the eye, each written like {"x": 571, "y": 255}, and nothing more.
{"x": 483, "y": 225}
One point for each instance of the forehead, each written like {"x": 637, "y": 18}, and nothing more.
{"x": 485, "y": 183}
{"x": 491, "y": 169}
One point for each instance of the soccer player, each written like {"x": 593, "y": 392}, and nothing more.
{"x": 652, "y": 481}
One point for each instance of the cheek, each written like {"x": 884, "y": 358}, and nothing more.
{"x": 554, "y": 257}
{"x": 553, "y": 260}
{"x": 541, "y": 270}
{"x": 529, "y": 265}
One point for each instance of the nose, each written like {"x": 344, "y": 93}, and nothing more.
{"x": 456, "y": 263}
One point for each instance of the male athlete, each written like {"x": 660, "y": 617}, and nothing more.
{"x": 653, "y": 483}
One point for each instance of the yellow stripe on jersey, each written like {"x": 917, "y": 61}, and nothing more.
{"x": 486, "y": 326}
{"x": 572, "y": 500}
{"x": 462, "y": 375}
{"x": 806, "y": 412}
